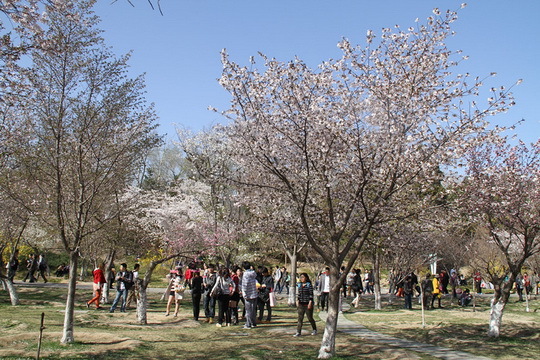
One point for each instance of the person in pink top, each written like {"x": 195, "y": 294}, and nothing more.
{"x": 99, "y": 281}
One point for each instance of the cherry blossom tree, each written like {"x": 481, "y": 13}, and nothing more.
{"x": 338, "y": 147}
{"x": 84, "y": 126}
{"x": 171, "y": 224}
{"x": 501, "y": 192}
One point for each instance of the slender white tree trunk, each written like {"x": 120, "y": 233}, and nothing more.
{"x": 291, "y": 301}
{"x": 495, "y": 319}
{"x": 13, "y": 295}
{"x": 377, "y": 281}
{"x": 68, "y": 336}
{"x": 328, "y": 344}
{"x": 142, "y": 306}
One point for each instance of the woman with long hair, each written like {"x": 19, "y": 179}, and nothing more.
{"x": 224, "y": 287}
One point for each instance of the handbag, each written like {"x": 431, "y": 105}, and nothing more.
{"x": 217, "y": 290}
{"x": 272, "y": 299}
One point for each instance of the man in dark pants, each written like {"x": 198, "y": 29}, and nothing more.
{"x": 13, "y": 265}
{"x": 31, "y": 265}
{"x": 124, "y": 281}
{"x": 196, "y": 292}
{"x": 209, "y": 302}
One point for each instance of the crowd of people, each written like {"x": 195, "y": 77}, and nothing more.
{"x": 249, "y": 293}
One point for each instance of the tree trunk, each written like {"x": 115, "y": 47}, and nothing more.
{"x": 377, "y": 281}
{"x": 328, "y": 344}
{"x": 81, "y": 275}
{"x": 498, "y": 303}
{"x": 68, "y": 336}
{"x": 142, "y": 305}
{"x": 292, "y": 286}
{"x": 107, "y": 287}
{"x": 495, "y": 319}
{"x": 14, "y": 297}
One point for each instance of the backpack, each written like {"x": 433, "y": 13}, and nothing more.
{"x": 128, "y": 283}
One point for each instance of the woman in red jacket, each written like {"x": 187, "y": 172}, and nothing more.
{"x": 99, "y": 281}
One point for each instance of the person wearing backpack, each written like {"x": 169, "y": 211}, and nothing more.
{"x": 124, "y": 282}
{"x": 42, "y": 267}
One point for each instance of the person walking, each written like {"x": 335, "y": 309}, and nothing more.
{"x": 31, "y": 266}
{"x": 42, "y": 267}
{"x": 324, "y": 288}
{"x": 249, "y": 293}
{"x": 305, "y": 304}
{"x": 99, "y": 281}
{"x": 12, "y": 266}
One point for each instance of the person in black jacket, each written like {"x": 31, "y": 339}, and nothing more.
{"x": 267, "y": 285}
{"x": 124, "y": 281}
{"x": 305, "y": 304}
{"x": 13, "y": 265}
{"x": 196, "y": 293}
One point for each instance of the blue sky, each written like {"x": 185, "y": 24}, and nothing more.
{"x": 180, "y": 51}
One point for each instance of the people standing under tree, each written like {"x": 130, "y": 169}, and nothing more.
{"x": 436, "y": 291}
{"x": 519, "y": 286}
{"x": 209, "y": 302}
{"x": 427, "y": 292}
{"x": 176, "y": 291}
{"x": 444, "y": 279}
{"x": 285, "y": 279}
{"x": 408, "y": 292}
{"x": 414, "y": 281}
{"x": 277, "y": 279}
{"x": 134, "y": 293}
{"x": 12, "y": 266}
{"x": 527, "y": 285}
{"x": 477, "y": 279}
{"x": 249, "y": 292}
{"x": 324, "y": 289}
{"x": 99, "y": 282}
{"x": 350, "y": 282}
{"x": 305, "y": 304}
{"x": 267, "y": 285}
{"x": 224, "y": 287}
{"x": 357, "y": 287}
{"x": 124, "y": 281}
{"x": 368, "y": 282}
{"x": 196, "y": 293}
{"x": 236, "y": 274}
{"x": 454, "y": 283}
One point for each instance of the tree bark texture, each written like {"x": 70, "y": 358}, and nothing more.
{"x": 292, "y": 286}
{"x": 377, "y": 281}
{"x": 13, "y": 295}
{"x": 328, "y": 344}
{"x": 68, "y": 335}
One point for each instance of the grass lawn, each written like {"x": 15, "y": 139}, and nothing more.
{"x": 100, "y": 335}
{"x": 459, "y": 328}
